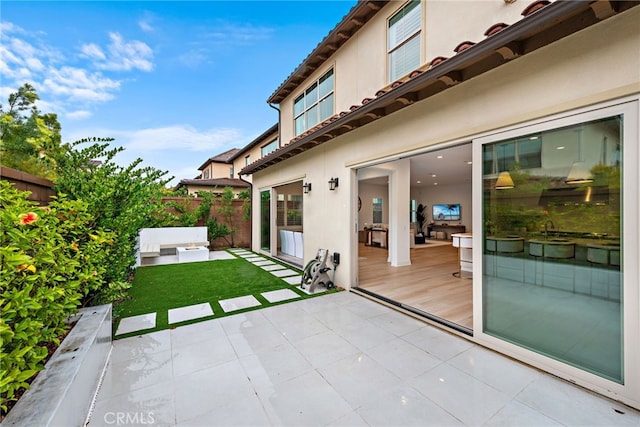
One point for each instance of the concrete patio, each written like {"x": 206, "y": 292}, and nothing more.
{"x": 335, "y": 360}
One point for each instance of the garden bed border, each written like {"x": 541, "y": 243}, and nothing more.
{"x": 62, "y": 394}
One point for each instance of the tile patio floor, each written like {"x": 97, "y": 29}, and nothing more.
{"x": 336, "y": 360}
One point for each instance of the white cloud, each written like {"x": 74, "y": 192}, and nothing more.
{"x": 146, "y": 23}
{"x": 121, "y": 55}
{"x": 238, "y": 34}
{"x": 145, "y": 26}
{"x": 179, "y": 149}
{"x": 194, "y": 57}
{"x": 9, "y": 28}
{"x": 78, "y": 115}
{"x": 181, "y": 137}
{"x": 19, "y": 60}
{"x": 79, "y": 84}
{"x": 92, "y": 50}
{"x": 27, "y": 57}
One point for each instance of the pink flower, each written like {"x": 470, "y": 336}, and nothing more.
{"x": 28, "y": 218}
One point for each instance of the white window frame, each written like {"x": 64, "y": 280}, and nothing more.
{"x": 247, "y": 159}
{"x": 629, "y": 391}
{"x": 269, "y": 147}
{"x": 397, "y": 40}
{"x": 310, "y": 113}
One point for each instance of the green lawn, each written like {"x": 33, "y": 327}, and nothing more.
{"x": 160, "y": 288}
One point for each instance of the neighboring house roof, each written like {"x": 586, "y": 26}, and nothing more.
{"x": 226, "y": 157}
{"x": 217, "y": 182}
{"x": 262, "y": 138}
{"x": 543, "y": 23}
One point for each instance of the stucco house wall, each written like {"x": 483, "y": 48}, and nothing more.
{"x": 579, "y": 72}
{"x": 566, "y": 75}
{"x": 361, "y": 66}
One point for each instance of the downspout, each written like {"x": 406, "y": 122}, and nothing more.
{"x": 279, "y": 117}
{"x": 251, "y": 184}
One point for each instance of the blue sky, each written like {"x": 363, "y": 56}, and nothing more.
{"x": 174, "y": 82}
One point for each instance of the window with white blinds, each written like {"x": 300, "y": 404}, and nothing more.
{"x": 315, "y": 104}
{"x": 404, "y": 40}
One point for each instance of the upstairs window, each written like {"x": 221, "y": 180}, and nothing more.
{"x": 404, "y": 40}
{"x": 231, "y": 172}
{"x": 315, "y": 104}
{"x": 206, "y": 174}
{"x": 247, "y": 160}
{"x": 270, "y": 147}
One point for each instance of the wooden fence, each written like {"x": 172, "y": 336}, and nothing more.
{"x": 42, "y": 190}
{"x": 242, "y": 227}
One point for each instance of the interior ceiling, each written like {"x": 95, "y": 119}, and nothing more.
{"x": 453, "y": 168}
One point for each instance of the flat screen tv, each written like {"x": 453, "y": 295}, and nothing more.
{"x": 449, "y": 212}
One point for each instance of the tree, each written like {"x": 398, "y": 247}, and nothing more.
{"x": 29, "y": 140}
{"x": 122, "y": 199}
{"x": 227, "y": 210}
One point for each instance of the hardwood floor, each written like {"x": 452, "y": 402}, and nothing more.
{"x": 428, "y": 284}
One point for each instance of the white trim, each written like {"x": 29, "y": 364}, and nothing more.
{"x": 629, "y": 392}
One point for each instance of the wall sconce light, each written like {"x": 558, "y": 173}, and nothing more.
{"x": 504, "y": 181}
{"x": 333, "y": 184}
{"x": 306, "y": 187}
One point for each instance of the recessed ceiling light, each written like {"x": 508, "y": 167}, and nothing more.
{"x": 433, "y": 175}
{"x": 435, "y": 183}
{"x": 560, "y": 147}
{"x": 469, "y": 162}
{"x": 418, "y": 182}
{"x": 440, "y": 157}
{"x": 533, "y": 137}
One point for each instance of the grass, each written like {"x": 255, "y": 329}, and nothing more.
{"x": 163, "y": 287}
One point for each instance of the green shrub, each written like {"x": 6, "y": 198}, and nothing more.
{"x": 51, "y": 258}
{"x": 122, "y": 199}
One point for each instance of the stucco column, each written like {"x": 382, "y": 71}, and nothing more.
{"x": 399, "y": 195}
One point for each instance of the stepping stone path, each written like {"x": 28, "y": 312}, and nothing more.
{"x": 197, "y": 311}
{"x": 284, "y": 273}
{"x": 238, "y": 303}
{"x": 190, "y": 312}
{"x": 280, "y": 295}
{"x": 136, "y": 323}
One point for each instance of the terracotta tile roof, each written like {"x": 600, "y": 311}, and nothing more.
{"x": 534, "y": 7}
{"x": 543, "y": 23}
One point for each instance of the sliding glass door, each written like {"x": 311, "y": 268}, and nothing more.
{"x": 553, "y": 241}
{"x": 265, "y": 220}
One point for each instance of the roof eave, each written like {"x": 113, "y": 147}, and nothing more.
{"x": 508, "y": 43}
{"x": 355, "y": 19}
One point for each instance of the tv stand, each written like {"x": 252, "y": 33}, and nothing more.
{"x": 446, "y": 228}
